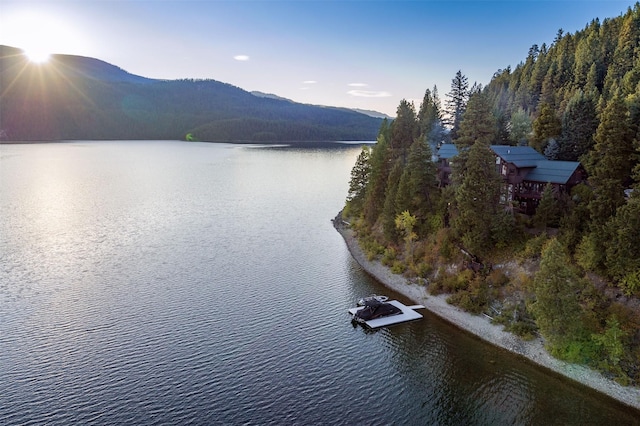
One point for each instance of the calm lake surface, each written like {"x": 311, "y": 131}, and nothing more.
{"x": 173, "y": 283}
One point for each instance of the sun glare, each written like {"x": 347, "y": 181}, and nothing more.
{"x": 39, "y": 34}
{"x": 38, "y": 56}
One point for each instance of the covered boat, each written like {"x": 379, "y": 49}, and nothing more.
{"x": 362, "y": 301}
{"x": 373, "y": 308}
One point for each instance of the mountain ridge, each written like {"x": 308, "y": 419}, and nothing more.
{"x": 76, "y": 97}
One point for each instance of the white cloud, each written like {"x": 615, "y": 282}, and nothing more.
{"x": 309, "y": 82}
{"x": 357, "y": 85}
{"x": 368, "y": 94}
{"x": 241, "y": 58}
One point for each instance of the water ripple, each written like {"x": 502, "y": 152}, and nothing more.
{"x": 164, "y": 283}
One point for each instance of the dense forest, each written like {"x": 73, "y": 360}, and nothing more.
{"x": 570, "y": 272}
{"x": 72, "y": 97}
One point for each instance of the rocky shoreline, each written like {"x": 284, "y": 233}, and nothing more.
{"x": 481, "y": 327}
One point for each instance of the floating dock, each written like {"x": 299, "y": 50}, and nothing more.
{"x": 408, "y": 314}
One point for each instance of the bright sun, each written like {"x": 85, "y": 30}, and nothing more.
{"x": 37, "y": 55}
{"x": 39, "y": 34}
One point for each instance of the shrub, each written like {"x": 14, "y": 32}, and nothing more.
{"x": 587, "y": 255}
{"x": 497, "y": 278}
{"x": 388, "y": 256}
{"x": 630, "y": 284}
{"x": 533, "y": 247}
{"x": 474, "y": 297}
{"x": 398, "y": 267}
{"x": 445, "y": 246}
{"x": 524, "y": 329}
{"x": 371, "y": 247}
{"x": 423, "y": 269}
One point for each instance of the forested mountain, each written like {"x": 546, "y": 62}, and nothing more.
{"x": 72, "y": 97}
{"x": 571, "y": 272}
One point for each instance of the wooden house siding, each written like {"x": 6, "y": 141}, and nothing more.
{"x": 525, "y": 174}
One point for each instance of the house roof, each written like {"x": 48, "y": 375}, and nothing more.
{"x": 447, "y": 150}
{"x": 547, "y": 171}
{"x": 520, "y": 156}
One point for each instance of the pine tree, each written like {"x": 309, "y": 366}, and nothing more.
{"x": 457, "y": 102}
{"x": 380, "y": 161}
{"x": 519, "y": 127}
{"x": 610, "y": 162}
{"x": 557, "y": 309}
{"x": 547, "y": 211}
{"x": 545, "y": 127}
{"x": 478, "y": 124}
{"x": 626, "y": 51}
{"x": 623, "y": 246}
{"x": 390, "y": 209}
{"x": 579, "y": 123}
{"x": 418, "y": 190}
{"x": 476, "y": 200}
{"x": 359, "y": 181}
{"x": 552, "y": 150}
{"x": 404, "y": 130}
{"x": 430, "y": 118}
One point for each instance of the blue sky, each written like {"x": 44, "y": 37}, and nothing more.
{"x": 357, "y": 54}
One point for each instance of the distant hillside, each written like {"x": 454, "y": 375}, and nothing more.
{"x": 374, "y": 114}
{"x": 73, "y": 97}
{"x": 370, "y": 113}
{"x": 269, "y": 95}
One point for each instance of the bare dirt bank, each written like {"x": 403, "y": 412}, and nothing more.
{"x": 482, "y": 328}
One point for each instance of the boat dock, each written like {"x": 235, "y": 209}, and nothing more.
{"x": 408, "y": 314}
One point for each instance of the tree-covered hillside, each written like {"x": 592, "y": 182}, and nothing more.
{"x": 71, "y": 97}
{"x": 571, "y": 271}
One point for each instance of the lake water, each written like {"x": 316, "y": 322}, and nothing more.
{"x": 173, "y": 283}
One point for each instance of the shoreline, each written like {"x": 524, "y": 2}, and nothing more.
{"x": 482, "y": 328}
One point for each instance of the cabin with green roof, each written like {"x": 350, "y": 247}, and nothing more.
{"x": 525, "y": 173}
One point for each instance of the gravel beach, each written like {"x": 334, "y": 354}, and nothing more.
{"x": 482, "y": 327}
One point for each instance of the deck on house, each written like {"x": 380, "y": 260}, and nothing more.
{"x": 408, "y": 314}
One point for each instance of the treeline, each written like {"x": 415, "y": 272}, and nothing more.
{"x": 571, "y": 272}
{"x": 71, "y": 97}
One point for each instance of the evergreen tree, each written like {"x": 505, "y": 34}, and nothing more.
{"x": 477, "y": 127}
{"x": 380, "y": 162}
{"x": 478, "y": 124}
{"x": 588, "y": 72}
{"x": 612, "y": 341}
{"x": 610, "y": 162}
{"x": 574, "y": 220}
{"x": 556, "y": 307}
{"x": 390, "y": 209}
{"x": 418, "y": 189}
{"x": 547, "y": 211}
{"x": 549, "y": 88}
{"x": 623, "y": 245}
{"x": 457, "y": 102}
{"x": 404, "y": 130}
{"x": 429, "y": 116}
{"x": 552, "y": 151}
{"x": 579, "y": 123}
{"x": 359, "y": 181}
{"x": 477, "y": 199}
{"x": 626, "y": 51}
{"x": 519, "y": 127}
{"x": 545, "y": 127}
